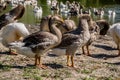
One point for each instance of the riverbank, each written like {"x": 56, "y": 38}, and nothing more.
{"x": 104, "y": 64}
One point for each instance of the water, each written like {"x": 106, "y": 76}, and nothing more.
{"x": 28, "y": 17}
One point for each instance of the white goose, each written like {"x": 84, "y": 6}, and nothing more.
{"x": 13, "y": 32}
{"x": 38, "y": 12}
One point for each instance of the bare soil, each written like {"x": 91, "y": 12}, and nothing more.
{"x": 103, "y": 64}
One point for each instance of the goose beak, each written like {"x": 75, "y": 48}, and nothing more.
{"x": 61, "y": 20}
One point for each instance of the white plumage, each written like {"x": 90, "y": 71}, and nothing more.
{"x": 115, "y": 33}
{"x": 13, "y": 32}
{"x": 38, "y": 12}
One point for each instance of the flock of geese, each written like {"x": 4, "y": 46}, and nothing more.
{"x": 75, "y": 8}
{"x": 55, "y": 35}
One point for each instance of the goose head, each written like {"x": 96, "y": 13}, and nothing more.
{"x": 86, "y": 17}
{"x": 64, "y": 25}
{"x": 12, "y": 15}
{"x": 56, "y": 19}
{"x": 103, "y": 25}
{"x": 17, "y": 12}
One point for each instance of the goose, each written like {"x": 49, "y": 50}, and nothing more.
{"x": 15, "y": 31}
{"x": 68, "y": 25}
{"x": 112, "y": 15}
{"x": 40, "y": 42}
{"x": 2, "y": 1}
{"x": 12, "y": 15}
{"x": 115, "y": 33}
{"x": 38, "y": 12}
{"x": 99, "y": 12}
{"x": 3, "y": 6}
{"x": 34, "y": 3}
{"x": 44, "y": 23}
{"x": 103, "y": 26}
{"x": 96, "y": 28}
{"x": 54, "y": 5}
{"x": 48, "y": 2}
{"x": 75, "y": 39}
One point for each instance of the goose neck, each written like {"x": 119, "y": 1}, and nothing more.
{"x": 56, "y": 31}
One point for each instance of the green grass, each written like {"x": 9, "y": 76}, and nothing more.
{"x": 86, "y": 71}
{"x": 31, "y": 73}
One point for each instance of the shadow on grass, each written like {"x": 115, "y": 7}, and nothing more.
{"x": 105, "y": 47}
{"x": 5, "y": 67}
{"x": 8, "y": 67}
{"x": 116, "y": 63}
{"x": 6, "y": 53}
{"x": 103, "y": 56}
{"x": 54, "y": 65}
{"x": 52, "y": 55}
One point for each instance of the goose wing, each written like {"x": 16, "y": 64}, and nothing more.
{"x": 67, "y": 40}
{"x": 40, "y": 40}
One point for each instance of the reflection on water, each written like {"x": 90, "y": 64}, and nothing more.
{"x": 28, "y": 17}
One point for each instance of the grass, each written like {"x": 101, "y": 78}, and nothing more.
{"x": 86, "y": 71}
{"x": 5, "y": 67}
{"x": 89, "y": 78}
{"x": 31, "y": 73}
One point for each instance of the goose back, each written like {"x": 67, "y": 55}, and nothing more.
{"x": 79, "y": 36}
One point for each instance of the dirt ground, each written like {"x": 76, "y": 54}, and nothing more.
{"x": 103, "y": 64}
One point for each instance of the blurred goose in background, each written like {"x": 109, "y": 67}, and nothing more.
{"x": 111, "y": 15}
{"x": 54, "y": 5}
{"x": 64, "y": 10}
{"x": 34, "y": 3}
{"x": 37, "y": 44}
{"x": 12, "y": 15}
{"x": 38, "y": 12}
{"x": 85, "y": 11}
{"x": 3, "y": 6}
{"x": 99, "y": 12}
{"x": 49, "y": 2}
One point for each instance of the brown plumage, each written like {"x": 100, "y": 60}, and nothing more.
{"x": 41, "y": 42}
{"x": 12, "y": 15}
{"x": 68, "y": 25}
{"x": 75, "y": 39}
{"x": 100, "y": 27}
{"x": 103, "y": 25}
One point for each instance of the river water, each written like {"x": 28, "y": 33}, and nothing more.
{"x": 29, "y": 18}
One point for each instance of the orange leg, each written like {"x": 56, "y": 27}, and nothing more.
{"x": 87, "y": 47}
{"x": 68, "y": 58}
{"x": 12, "y": 51}
{"x": 72, "y": 61}
{"x": 83, "y": 50}
{"x": 38, "y": 62}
